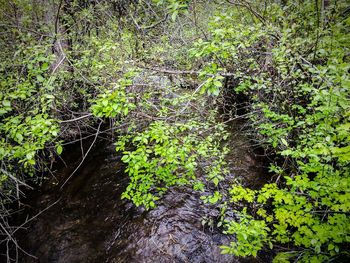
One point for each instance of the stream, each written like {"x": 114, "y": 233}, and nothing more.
{"x": 87, "y": 221}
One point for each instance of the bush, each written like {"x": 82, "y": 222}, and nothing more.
{"x": 293, "y": 67}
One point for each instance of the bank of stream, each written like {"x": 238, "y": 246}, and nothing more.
{"x": 88, "y": 222}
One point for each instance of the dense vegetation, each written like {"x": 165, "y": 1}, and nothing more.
{"x": 164, "y": 73}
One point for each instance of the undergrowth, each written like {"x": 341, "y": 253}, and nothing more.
{"x": 289, "y": 58}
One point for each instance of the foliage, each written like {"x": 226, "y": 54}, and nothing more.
{"x": 167, "y": 154}
{"x": 290, "y": 59}
{"x": 297, "y": 79}
{"x": 26, "y": 124}
{"x": 114, "y": 102}
{"x": 161, "y": 153}
{"x": 251, "y": 236}
{"x": 175, "y": 7}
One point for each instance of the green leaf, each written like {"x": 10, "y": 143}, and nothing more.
{"x": 330, "y": 247}
{"x": 19, "y": 137}
{"x": 104, "y": 102}
{"x": 45, "y": 66}
{"x": 126, "y": 111}
{"x": 174, "y": 15}
{"x": 40, "y": 78}
{"x": 59, "y": 149}
{"x": 6, "y": 103}
{"x": 217, "y": 84}
{"x": 284, "y": 142}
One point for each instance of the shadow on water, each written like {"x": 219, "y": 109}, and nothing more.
{"x": 90, "y": 223}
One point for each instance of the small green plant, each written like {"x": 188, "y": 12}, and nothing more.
{"x": 251, "y": 236}
{"x": 115, "y": 102}
{"x": 167, "y": 154}
{"x": 175, "y": 7}
{"x": 212, "y": 199}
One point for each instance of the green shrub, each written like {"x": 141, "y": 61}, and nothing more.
{"x": 294, "y": 68}
{"x": 168, "y": 154}
{"x": 27, "y": 124}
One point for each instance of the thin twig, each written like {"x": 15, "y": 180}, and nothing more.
{"x": 38, "y": 214}
{"x": 82, "y": 161}
{"x": 186, "y": 72}
{"x": 76, "y": 119}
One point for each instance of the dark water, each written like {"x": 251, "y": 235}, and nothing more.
{"x": 90, "y": 223}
